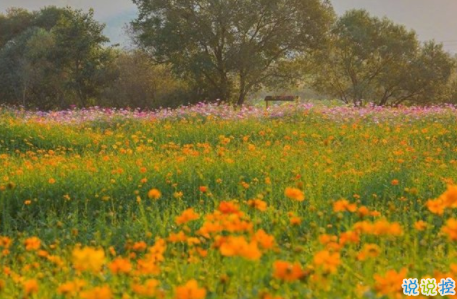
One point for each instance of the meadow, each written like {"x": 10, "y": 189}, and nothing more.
{"x": 210, "y": 202}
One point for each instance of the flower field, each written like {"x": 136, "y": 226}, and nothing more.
{"x": 211, "y": 202}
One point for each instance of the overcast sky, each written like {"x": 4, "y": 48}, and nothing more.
{"x": 431, "y": 19}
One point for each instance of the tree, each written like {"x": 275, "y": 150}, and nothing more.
{"x": 52, "y": 57}
{"x": 80, "y": 54}
{"x": 230, "y": 47}
{"x": 372, "y": 59}
{"x": 139, "y": 83}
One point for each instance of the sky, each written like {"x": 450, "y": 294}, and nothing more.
{"x": 431, "y": 19}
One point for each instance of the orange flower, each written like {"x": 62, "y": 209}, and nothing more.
{"x": 88, "y": 259}
{"x": 349, "y": 237}
{"x": 178, "y": 237}
{"x": 72, "y": 287}
{"x": 238, "y": 246}
{"x": 98, "y": 293}
{"x": 395, "y": 182}
{"x": 451, "y": 229}
{"x": 449, "y": 197}
{"x": 30, "y": 286}
{"x": 186, "y": 216}
{"x": 294, "y": 193}
{"x": 286, "y": 271}
{"x": 390, "y": 283}
{"x": 435, "y": 206}
{"x": 257, "y": 204}
{"x": 420, "y": 225}
{"x": 228, "y": 207}
{"x": 190, "y": 291}
{"x": 363, "y": 212}
{"x": 139, "y": 246}
{"x": 265, "y": 240}
{"x": 379, "y": 228}
{"x": 120, "y": 266}
{"x": 343, "y": 205}
{"x": 154, "y": 194}
{"x": 32, "y": 244}
{"x": 149, "y": 289}
{"x": 51, "y": 181}
{"x": 368, "y": 250}
{"x": 203, "y": 189}
{"x": 329, "y": 262}
{"x": 294, "y": 220}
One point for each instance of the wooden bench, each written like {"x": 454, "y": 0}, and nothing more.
{"x": 269, "y": 99}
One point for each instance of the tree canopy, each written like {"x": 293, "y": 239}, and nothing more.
{"x": 376, "y": 60}
{"x": 230, "y": 47}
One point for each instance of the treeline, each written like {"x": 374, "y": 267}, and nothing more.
{"x": 190, "y": 51}
{"x": 56, "y": 58}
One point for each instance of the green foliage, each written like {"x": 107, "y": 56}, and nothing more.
{"x": 230, "y": 47}
{"x": 52, "y": 58}
{"x": 376, "y": 60}
{"x": 139, "y": 83}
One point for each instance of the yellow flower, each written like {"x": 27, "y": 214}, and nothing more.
{"x": 88, "y": 259}
{"x": 294, "y": 193}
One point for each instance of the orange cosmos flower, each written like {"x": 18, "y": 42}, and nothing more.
{"x": 186, "y": 216}
{"x": 72, "y": 287}
{"x": 390, "y": 283}
{"x": 32, "y": 244}
{"x": 139, "y": 246}
{"x": 154, "y": 194}
{"x": 238, "y": 246}
{"x": 395, "y": 182}
{"x": 435, "y": 206}
{"x": 343, "y": 205}
{"x": 203, "y": 189}
{"x": 190, "y": 290}
{"x": 98, "y": 293}
{"x": 368, "y": 251}
{"x": 349, "y": 237}
{"x": 451, "y": 229}
{"x": 228, "y": 207}
{"x": 420, "y": 225}
{"x": 88, "y": 259}
{"x": 329, "y": 262}
{"x": 257, "y": 204}
{"x": 294, "y": 193}
{"x": 120, "y": 266}
{"x": 30, "y": 286}
{"x": 287, "y": 271}
{"x": 265, "y": 240}
{"x": 178, "y": 237}
{"x": 149, "y": 289}
{"x": 379, "y": 228}
{"x": 449, "y": 198}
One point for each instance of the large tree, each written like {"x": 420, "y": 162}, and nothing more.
{"x": 79, "y": 52}
{"x": 375, "y": 60}
{"x": 230, "y": 46}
